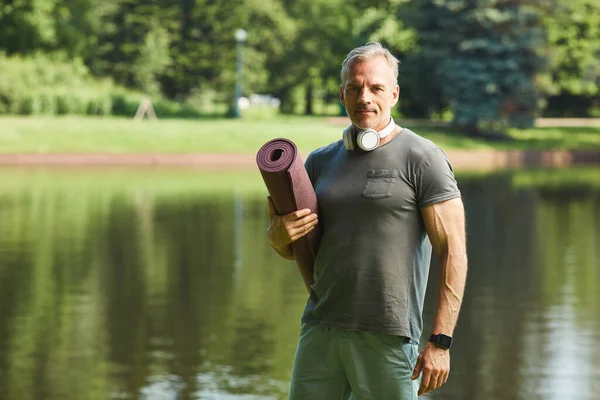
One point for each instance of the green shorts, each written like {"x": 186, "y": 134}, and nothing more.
{"x": 336, "y": 364}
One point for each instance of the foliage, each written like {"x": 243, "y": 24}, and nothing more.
{"x": 42, "y": 84}
{"x": 482, "y": 59}
{"x": 574, "y": 42}
{"x": 153, "y": 59}
{"x": 486, "y": 57}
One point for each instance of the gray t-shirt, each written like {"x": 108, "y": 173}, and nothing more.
{"x": 373, "y": 261}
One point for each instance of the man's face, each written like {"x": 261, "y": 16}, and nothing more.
{"x": 369, "y": 93}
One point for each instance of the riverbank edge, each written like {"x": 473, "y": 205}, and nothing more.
{"x": 462, "y": 160}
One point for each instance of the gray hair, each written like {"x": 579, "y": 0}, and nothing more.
{"x": 366, "y": 52}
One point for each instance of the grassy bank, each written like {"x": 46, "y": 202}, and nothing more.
{"x": 119, "y": 135}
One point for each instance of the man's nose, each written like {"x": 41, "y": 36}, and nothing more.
{"x": 364, "y": 96}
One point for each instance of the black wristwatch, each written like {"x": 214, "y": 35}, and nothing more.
{"x": 441, "y": 340}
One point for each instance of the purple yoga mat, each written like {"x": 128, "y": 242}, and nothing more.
{"x": 290, "y": 188}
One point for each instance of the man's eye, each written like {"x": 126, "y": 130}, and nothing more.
{"x": 351, "y": 89}
{"x": 377, "y": 89}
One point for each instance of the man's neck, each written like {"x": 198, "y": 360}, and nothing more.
{"x": 384, "y": 123}
{"x": 391, "y": 136}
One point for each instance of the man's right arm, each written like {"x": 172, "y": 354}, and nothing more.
{"x": 286, "y": 229}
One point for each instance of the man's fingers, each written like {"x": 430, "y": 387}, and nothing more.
{"x": 434, "y": 370}
{"x": 418, "y": 368}
{"x": 293, "y": 216}
{"x": 424, "y": 382}
{"x": 300, "y": 229}
{"x": 296, "y": 215}
{"x": 307, "y": 228}
{"x": 300, "y": 223}
{"x": 430, "y": 384}
{"x": 302, "y": 233}
{"x": 438, "y": 382}
{"x": 442, "y": 379}
{"x": 304, "y": 227}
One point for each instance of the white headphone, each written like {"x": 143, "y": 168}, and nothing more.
{"x": 365, "y": 139}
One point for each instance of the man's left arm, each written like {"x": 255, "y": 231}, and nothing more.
{"x": 445, "y": 226}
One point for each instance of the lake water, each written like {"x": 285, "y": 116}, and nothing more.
{"x": 154, "y": 284}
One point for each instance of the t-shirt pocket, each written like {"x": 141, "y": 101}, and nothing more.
{"x": 379, "y": 183}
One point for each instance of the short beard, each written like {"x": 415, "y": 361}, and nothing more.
{"x": 368, "y": 127}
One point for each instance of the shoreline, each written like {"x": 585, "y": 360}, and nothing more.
{"x": 462, "y": 160}
{"x": 539, "y": 122}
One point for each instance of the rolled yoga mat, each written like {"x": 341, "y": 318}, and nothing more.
{"x": 290, "y": 188}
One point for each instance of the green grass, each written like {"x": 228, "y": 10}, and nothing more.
{"x": 119, "y": 135}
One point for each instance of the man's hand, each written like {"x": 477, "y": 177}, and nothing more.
{"x": 434, "y": 362}
{"x": 285, "y": 229}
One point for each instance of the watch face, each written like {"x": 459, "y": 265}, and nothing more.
{"x": 444, "y": 341}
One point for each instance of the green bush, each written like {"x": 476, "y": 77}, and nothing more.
{"x": 67, "y": 103}
{"x": 100, "y": 105}
{"x": 29, "y": 104}
{"x": 124, "y": 104}
{"x": 164, "y": 108}
{"x": 47, "y": 103}
{"x": 188, "y": 111}
{"x": 45, "y": 84}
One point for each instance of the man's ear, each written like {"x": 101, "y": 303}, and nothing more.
{"x": 342, "y": 100}
{"x": 395, "y": 95}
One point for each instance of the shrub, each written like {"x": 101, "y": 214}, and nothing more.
{"x": 29, "y": 104}
{"x": 124, "y": 104}
{"x": 100, "y": 105}
{"x": 47, "y": 103}
{"x": 68, "y": 103}
{"x": 50, "y": 84}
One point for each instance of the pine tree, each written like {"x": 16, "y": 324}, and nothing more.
{"x": 486, "y": 57}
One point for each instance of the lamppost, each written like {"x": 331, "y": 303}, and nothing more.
{"x": 240, "y": 38}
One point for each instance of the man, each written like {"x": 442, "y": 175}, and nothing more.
{"x": 383, "y": 204}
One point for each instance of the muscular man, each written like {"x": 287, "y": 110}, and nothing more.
{"x": 386, "y": 197}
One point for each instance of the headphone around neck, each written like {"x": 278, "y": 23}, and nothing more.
{"x": 365, "y": 139}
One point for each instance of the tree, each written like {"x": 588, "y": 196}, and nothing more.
{"x": 27, "y": 26}
{"x": 203, "y": 46}
{"x": 482, "y": 59}
{"x": 574, "y": 41}
{"x": 486, "y": 55}
{"x": 421, "y": 92}
{"x": 153, "y": 59}
{"x": 318, "y": 37}
{"x": 77, "y": 25}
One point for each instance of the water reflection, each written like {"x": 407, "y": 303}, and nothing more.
{"x": 160, "y": 285}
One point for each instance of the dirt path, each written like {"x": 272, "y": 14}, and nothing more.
{"x": 461, "y": 159}
{"x": 539, "y": 122}
{"x": 567, "y": 122}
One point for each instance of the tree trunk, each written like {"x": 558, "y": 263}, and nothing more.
{"x": 308, "y": 99}
{"x": 287, "y": 102}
